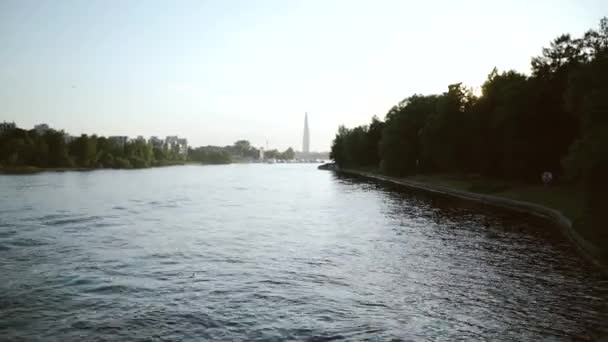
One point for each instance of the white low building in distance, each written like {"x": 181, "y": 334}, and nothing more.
{"x": 174, "y": 143}
{"x": 171, "y": 142}
{"x": 182, "y": 146}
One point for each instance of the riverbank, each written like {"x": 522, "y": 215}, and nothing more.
{"x": 26, "y": 170}
{"x": 559, "y": 205}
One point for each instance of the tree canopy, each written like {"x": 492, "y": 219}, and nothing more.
{"x": 56, "y": 149}
{"x": 554, "y": 120}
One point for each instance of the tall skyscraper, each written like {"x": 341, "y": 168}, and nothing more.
{"x": 306, "y": 139}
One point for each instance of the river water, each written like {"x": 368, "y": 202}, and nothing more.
{"x": 277, "y": 252}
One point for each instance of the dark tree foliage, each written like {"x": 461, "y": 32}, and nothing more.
{"x": 55, "y": 149}
{"x": 358, "y": 146}
{"x": 520, "y": 126}
{"x": 288, "y": 154}
{"x": 58, "y": 151}
{"x": 446, "y": 138}
{"x": 239, "y": 151}
{"x": 210, "y": 155}
{"x": 400, "y": 147}
{"x": 84, "y": 150}
{"x": 504, "y": 117}
{"x": 554, "y": 120}
{"x": 374, "y": 135}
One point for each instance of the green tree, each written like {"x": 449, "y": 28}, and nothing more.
{"x": 400, "y": 146}
{"x": 446, "y": 137}
{"x": 500, "y": 115}
{"x": 83, "y": 150}
{"x": 106, "y": 159}
{"x": 288, "y": 154}
{"x": 337, "y": 147}
{"x": 374, "y": 135}
{"x": 58, "y": 150}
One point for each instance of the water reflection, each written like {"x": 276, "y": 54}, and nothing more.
{"x": 478, "y": 266}
{"x": 281, "y": 252}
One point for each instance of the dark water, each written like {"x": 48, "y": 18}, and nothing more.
{"x": 276, "y": 252}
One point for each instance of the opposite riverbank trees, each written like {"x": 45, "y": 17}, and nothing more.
{"x": 21, "y": 148}
{"x": 240, "y": 151}
{"x": 554, "y": 120}
{"x": 27, "y": 151}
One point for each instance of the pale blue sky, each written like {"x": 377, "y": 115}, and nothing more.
{"x": 218, "y": 71}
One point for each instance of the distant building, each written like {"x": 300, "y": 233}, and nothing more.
{"x": 182, "y": 146}
{"x": 171, "y": 140}
{"x": 171, "y": 143}
{"x": 41, "y": 129}
{"x": 306, "y": 138}
{"x": 261, "y": 156}
{"x": 119, "y": 140}
{"x": 6, "y": 126}
{"x": 174, "y": 143}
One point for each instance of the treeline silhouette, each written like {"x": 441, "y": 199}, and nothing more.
{"x": 240, "y": 151}
{"x": 55, "y": 149}
{"x": 210, "y": 155}
{"x": 51, "y": 149}
{"x": 554, "y": 120}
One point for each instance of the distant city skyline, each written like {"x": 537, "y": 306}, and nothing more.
{"x": 41, "y": 128}
{"x": 220, "y": 71}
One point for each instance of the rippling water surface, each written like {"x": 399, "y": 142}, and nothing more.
{"x": 277, "y": 252}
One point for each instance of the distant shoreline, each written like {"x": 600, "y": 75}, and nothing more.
{"x": 30, "y": 170}
{"x": 26, "y": 170}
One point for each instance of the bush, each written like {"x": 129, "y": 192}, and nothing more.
{"x": 107, "y": 160}
{"x": 138, "y": 163}
{"x": 122, "y": 163}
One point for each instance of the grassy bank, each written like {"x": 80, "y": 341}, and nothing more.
{"x": 566, "y": 198}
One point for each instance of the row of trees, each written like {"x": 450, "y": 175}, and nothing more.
{"x": 239, "y": 151}
{"x": 210, "y": 155}
{"x": 20, "y": 147}
{"x": 288, "y": 154}
{"x": 554, "y": 120}
{"x": 242, "y": 149}
{"x": 55, "y": 149}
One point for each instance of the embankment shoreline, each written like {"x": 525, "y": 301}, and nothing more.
{"x": 32, "y": 170}
{"x": 555, "y": 217}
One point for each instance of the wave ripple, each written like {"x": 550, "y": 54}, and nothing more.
{"x": 274, "y": 253}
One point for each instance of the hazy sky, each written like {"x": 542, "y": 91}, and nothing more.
{"x": 218, "y": 71}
